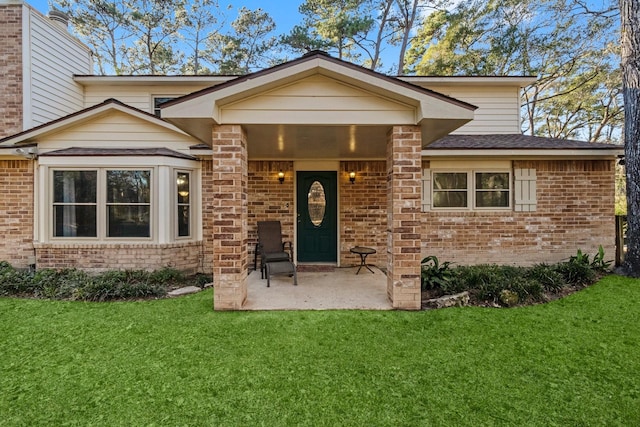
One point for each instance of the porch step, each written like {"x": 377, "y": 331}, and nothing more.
{"x": 315, "y": 268}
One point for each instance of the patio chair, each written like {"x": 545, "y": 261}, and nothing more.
{"x": 276, "y": 256}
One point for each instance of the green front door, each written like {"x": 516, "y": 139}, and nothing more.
{"x": 317, "y": 221}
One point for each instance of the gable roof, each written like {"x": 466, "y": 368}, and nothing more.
{"x": 195, "y": 113}
{"x": 28, "y": 136}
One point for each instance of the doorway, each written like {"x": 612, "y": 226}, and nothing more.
{"x": 317, "y": 216}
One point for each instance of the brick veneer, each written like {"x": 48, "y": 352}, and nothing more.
{"x": 11, "y": 69}
{"x": 229, "y": 191}
{"x": 363, "y": 210}
{"x": 575, "y": 210}
{"x": 268, "y": 200}
{"x": 186, "y": 256}
{"x": 16, "y": 212}
{"x": 363, "y": 205}
{"x": 404, "y": 194}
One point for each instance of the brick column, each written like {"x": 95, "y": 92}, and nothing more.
{"x": 229, "y": 185}
{"x": 404, "y": 149}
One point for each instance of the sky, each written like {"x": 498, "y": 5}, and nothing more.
{"x": 284, "y": 12}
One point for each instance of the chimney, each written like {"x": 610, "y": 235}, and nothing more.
{"x": 61, "y": 19}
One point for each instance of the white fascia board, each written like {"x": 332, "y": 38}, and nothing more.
{"x": 524, "y": 153}
{"x": 84, "y": 116}
{"x": 151, "y": 80}
{"x": 518, "y": 81}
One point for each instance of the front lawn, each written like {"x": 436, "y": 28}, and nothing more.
{"x": 574, "y": 361}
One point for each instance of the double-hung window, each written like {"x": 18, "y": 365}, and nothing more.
{"x": 471, "y": 190}
{"x": 128, "y": 204}
{"x": 102, "y": 203}
{"x": 75, "y": 203}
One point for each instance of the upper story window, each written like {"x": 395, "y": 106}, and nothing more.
{"x": 157, "y": 100}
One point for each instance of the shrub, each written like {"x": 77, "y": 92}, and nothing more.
{"x": 12, "y": 281}
{"x": 167, "y": 275}
{"x": 203, "y": 279}
{"x": 576, "y": 273}
{"x": 59, "y": 284}
{"x": 124, "y": 284}
{"x": 506, "y": 285}
{"x": 578, "y": 270}
{"x": 548, "y": 276}
{"x": 433, "y": 274}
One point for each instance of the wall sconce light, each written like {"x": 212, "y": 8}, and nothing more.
{"x": 281, "y": 177}
{"x": 352, "y": 177}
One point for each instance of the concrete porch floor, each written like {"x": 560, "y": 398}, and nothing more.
{"x": 340, "y": 289}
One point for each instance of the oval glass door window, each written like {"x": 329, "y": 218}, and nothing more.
{"x": 316, "y": 203}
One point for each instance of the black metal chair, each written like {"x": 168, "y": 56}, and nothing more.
{"x": 275, "y": 255}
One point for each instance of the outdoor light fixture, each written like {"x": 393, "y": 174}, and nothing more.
{"x": 352, "y": 177}
{"x": 281, "y": 177}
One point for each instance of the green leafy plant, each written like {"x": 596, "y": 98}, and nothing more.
{"x": 547, "y": 275}
{"x": 13, "y": 281}
{"x": 578, "y": 270}
{"x": 599, "y": 264}
{"x": 435, "y": 275}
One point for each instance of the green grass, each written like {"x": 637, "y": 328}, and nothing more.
{"x": 176, "y": 362}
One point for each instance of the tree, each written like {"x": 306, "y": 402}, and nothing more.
{"x": 202, "y": 20}
{"x": 155, "y": 24}
{"x": 571, "y": 53}
{"x": 336, "y": 23}
{"x": 630, "y": 29}
{"x": 248, "y": 48}
{"x": 103, "y": 26}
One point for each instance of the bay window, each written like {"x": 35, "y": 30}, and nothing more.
{"x": 128, "y": 203}
{"x": 102, "y": 203}
{"x": 183, "y": 203}
{"x": 74, "y": 203}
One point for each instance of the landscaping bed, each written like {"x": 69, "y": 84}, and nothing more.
{"x": 444, "y": 285}
{"x": 114, "y": 285}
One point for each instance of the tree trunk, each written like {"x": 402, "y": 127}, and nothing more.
{"x": 630, "y": 16}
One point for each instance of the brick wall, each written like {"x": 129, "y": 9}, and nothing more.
{"x": 16, "y": 212}
{"x": 268, "y": 200}
{"x": 10, "y": 69}
{"x": 363, "y": 210}
{"x": 186, "y": 257}
{"x": 207, "y": 215}
{"x": 575, "y": 210}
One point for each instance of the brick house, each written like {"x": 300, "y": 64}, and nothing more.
{"x": 103, "y": 172}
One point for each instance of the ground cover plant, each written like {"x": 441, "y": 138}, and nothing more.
{"x": 73, "y": 284}
{"x": 503, "y": 285}
{"x": 573, "y": 361}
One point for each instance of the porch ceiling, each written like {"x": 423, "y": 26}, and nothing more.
{"x": 287, "y": 142}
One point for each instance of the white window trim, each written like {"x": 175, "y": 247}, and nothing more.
{"x": 162, "y": 205}
{"x": 174, "y": 194}
{"x": 152, "y": 102}
{"x": 101, "y": 206}
{"x": 471, "y": 190}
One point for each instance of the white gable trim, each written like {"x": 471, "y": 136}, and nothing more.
{"x": 209, "y": 103}
{"x": 84, "y": 116}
